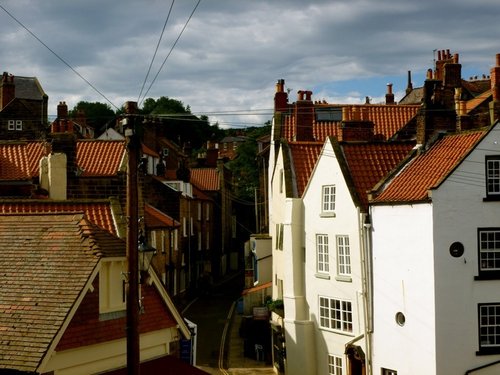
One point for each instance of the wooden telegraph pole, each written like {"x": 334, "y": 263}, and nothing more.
{"x": 133, "y": 146}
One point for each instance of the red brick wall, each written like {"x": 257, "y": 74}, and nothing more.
{"x": 86, "y": 329}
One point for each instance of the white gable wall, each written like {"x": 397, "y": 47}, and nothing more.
{"x": 346, "y": 222}
{"x": 403, "y": 271}
{"x": 459, "y": 210}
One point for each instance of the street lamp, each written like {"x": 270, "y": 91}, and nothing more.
{"x": 146, "y": 253}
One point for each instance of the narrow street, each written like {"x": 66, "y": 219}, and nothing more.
{"x": 211, "y": 313}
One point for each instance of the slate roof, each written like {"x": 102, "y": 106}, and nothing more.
{"x": 28, "y": 88}
{"x": 98, "y": 212}
{"x": 368, "y": 163}
{"x": 100, "y": 157}
{"x": 428, "y": 169}
{"x": 303, "y": 158}
{"x": 36, "y": 294}
{"x": 206, "y": 179}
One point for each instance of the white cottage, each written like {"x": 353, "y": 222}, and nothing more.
{"x": 436, "y": 260}
{"x": 337, "y": 272}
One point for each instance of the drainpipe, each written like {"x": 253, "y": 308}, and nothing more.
{"x": 366, "y": 285}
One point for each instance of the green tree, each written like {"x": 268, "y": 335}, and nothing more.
{"x": 98, "y": 115}
{"x": 244, "y": 166}
{"x": 179, "y": 124}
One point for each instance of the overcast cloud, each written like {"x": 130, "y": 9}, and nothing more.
{"x": 232, "y": 52}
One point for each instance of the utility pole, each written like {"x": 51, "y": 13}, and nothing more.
{"x": 132, "y": 328}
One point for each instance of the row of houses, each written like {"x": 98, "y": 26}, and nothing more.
{"x": 384, "y": 222}
{"x": 63, "y": 223}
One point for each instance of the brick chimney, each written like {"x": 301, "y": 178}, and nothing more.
{"x": 7, "y": 90}
{"x": 280, "y": 97}
{"x": 495, "y": 90}
{"x": 304, "y": 117}
{"x": 389, "y": 97}
{"x": 356, "y": 125}
{"x": 62, "y": 110}
{"x": 409, "y": 87}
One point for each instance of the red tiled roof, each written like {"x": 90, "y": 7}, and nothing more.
{"x": 387, "y": 120}
{"x": 157, "y": 219}
{"x": 46, "y": 260}
{"x": 370, "y": 162}
{"x": 14, "y": 162}
{"x": 206, "y": 178}
{"x": 473, "y": 103}
{"x": 98, "y": 213}
{"x": 36, "y": 151}
{"x": 100, "y": 157}
{"x": 428, "y": 169}
{"x": 304, "y": 157}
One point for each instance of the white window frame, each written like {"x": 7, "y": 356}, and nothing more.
{"x": 386, "y": 371}
{"x": 322, "y": 254}
{"x": 19, "y": 125}
{"x": 488, "y": 327}
{"x": 279, "y": 236}
{"x": 335, "y": 365}
{"x": 343, "y": 256}
{"x": 199, "y": 211}
{"x": 335, "y": 314}
{"x": 184, "y": 227}
{"x": 489, "y": 251}
{"x": 328, "y": 195}
{"x": 11, "y": 125}
{"x": 493, "y": 176}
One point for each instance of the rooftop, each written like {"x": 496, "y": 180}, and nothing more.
{"x": 429, "y": 168}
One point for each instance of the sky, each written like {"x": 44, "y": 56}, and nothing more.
{"x": 224, "y": 57}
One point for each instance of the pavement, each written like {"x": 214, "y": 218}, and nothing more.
{"x": 234, "y": 362}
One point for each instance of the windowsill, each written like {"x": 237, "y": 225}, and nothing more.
{"x": 327, "y": 214}
{"x": 492, "y": 276}
{"x": 491, "y": 198}
{"x": 488, "y": 351}
{"x": 344, "y": 279}
{"x": 323, "y": 276}
{"x": 349, "y": 334}
{"x": 112, "y": 315}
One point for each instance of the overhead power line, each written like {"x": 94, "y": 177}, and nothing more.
{"x": 169, "y": 53}
{"x": 56, "y": 55}
{"x": 156, "y": 50}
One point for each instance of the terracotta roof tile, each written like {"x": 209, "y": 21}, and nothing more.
{"x": 100, "y": 157}
{"x": 387, "y": 120}
{"x": 156, "y": 219}
{"x": 14, "y": 162}
{"x": 98, "y": 213}
{"x": 206, "y": 178}
{"x": 46, "y": 261}
{"x": 368, "y": 163}
{"x": 428, "y": 169}
{"x": 304, "y": 157}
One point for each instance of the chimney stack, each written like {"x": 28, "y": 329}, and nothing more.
{"x": 304, "y": 117}
{"x": 389, "y": 97}
{"x": 409, "y": 87}
{"x": 280, "y": 97}
{"x": 7, "y": 90}
{"x": 62, "y": 111}
{"x": 495, "y": 90}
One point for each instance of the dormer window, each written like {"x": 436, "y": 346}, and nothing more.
{"x": 112, "y": 289}
{"x": 493, "y": 177}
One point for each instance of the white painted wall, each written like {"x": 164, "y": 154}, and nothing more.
{"x": 345, "y": 222}
{"x": 403, "y": 269}
{"x": 459, "y": 210}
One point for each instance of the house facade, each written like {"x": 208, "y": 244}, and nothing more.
{"x": 76, "y": 324}
{"x": 23, "y": 108}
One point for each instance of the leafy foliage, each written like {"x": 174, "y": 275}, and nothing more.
{"x": 244, "y": 167}
{"x": 97, "y": 114}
